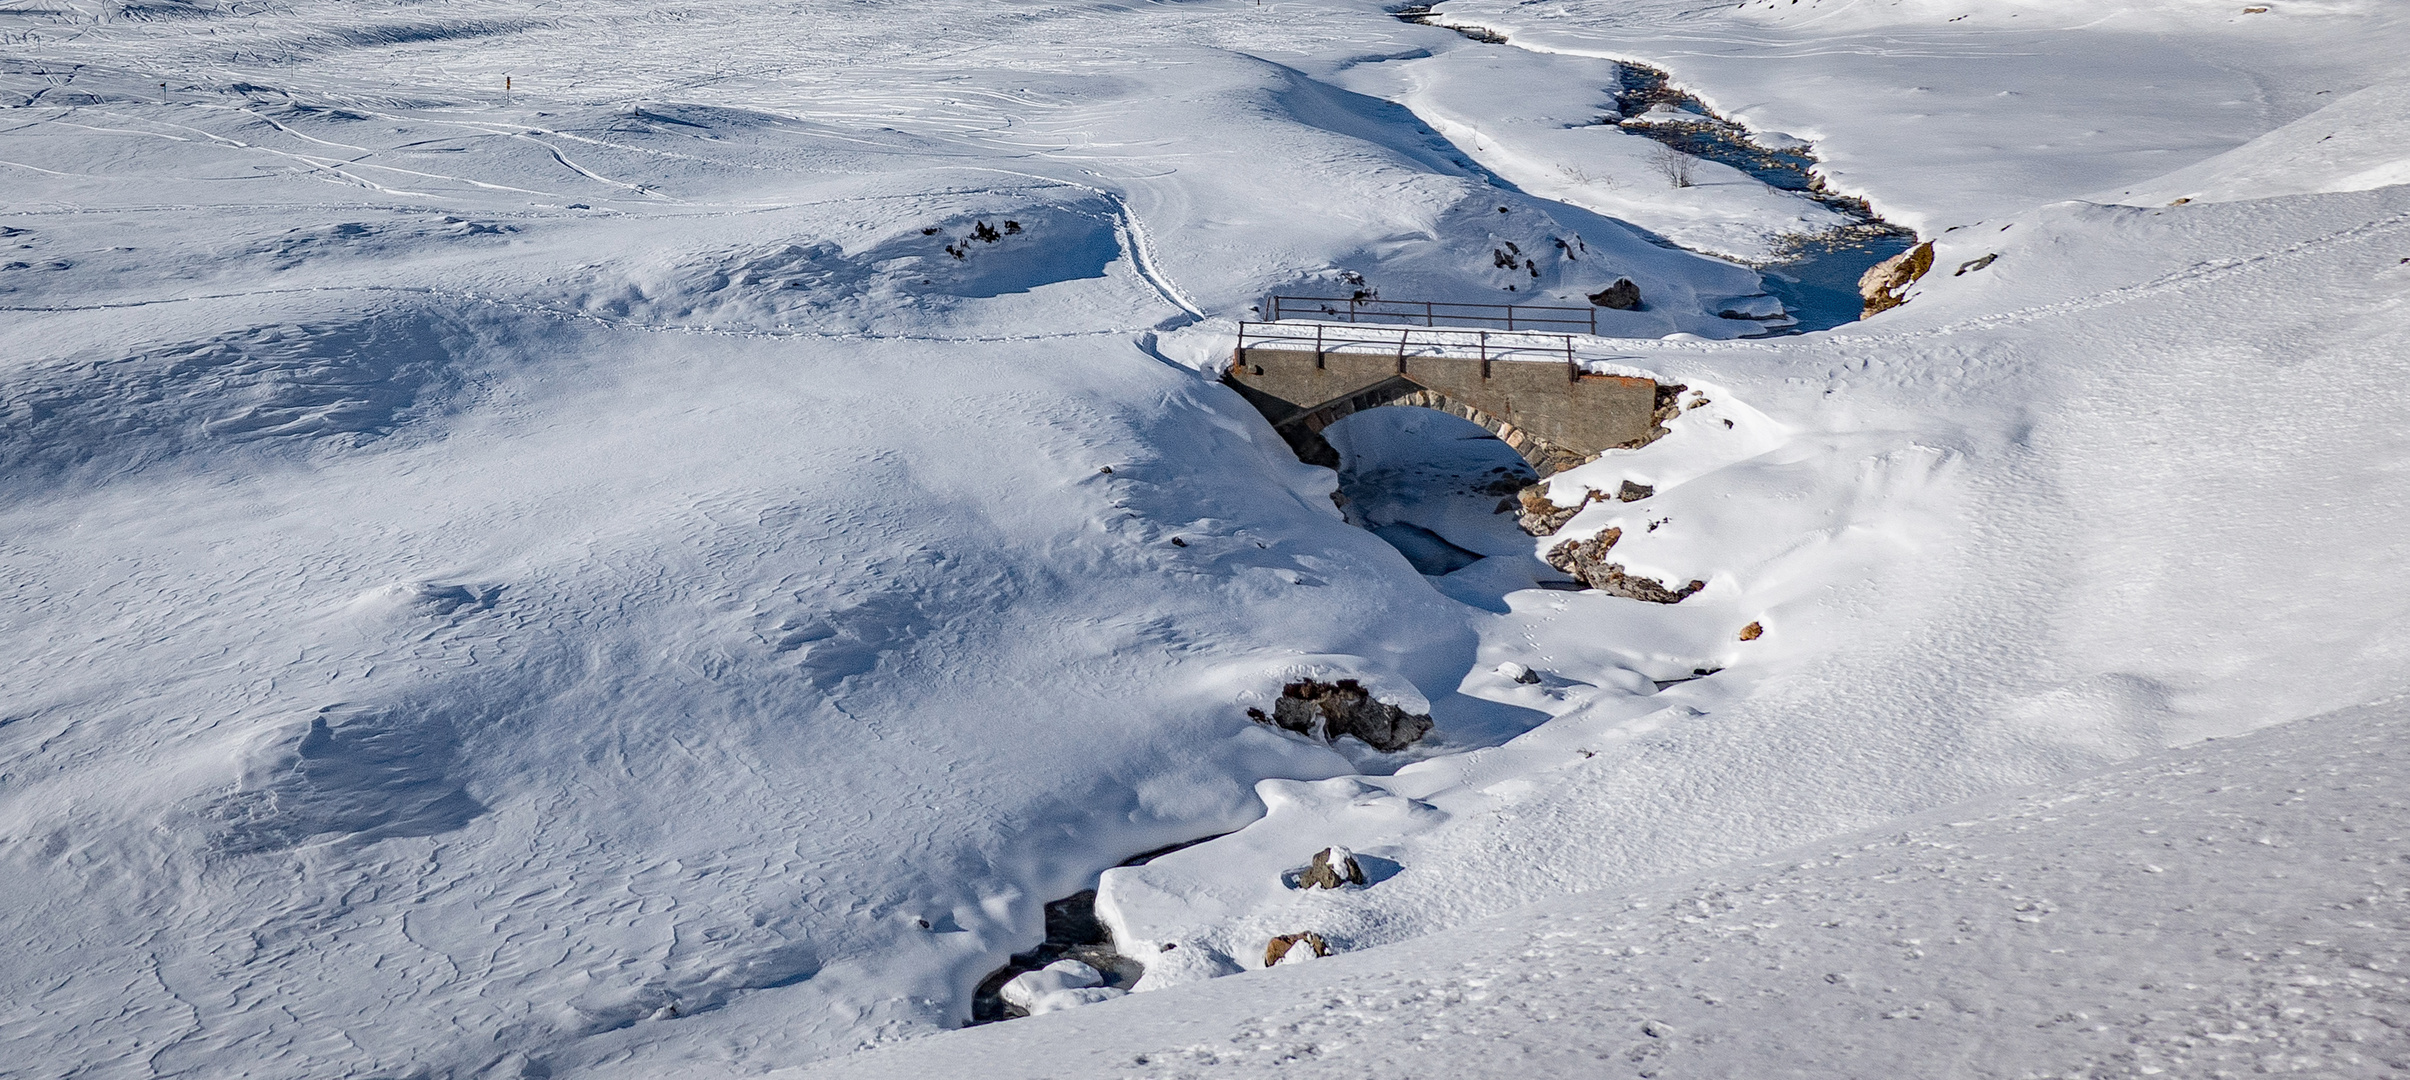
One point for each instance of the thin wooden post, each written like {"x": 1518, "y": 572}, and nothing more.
{"x": 1510, "y": 316}
{"x": 1402, "y": 335}
{"x": 1428, "y": 318}
{"x": 1317, "y": 346}
{"x": 1485, "y": 352}
{"x": 1573, "y": 370}
{"x": 1593, "y": 320}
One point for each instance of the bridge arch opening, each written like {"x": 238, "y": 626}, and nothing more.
{"x": 1430, "y": 483}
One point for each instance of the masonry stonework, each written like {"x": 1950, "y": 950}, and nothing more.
{"x": 1547, "y": 411}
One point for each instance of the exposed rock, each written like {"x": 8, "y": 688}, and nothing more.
{"x": 1344, "y": 708}
{"x": 1519, "y": 673}
{"x": 1885, "y": 286}
{"x": 1332, "y": 868}
{"x": 1543, "y": 517}
{"x": 1972, "y": 265}
{"x": 1753, "y": 631}
{"x": 1073, "y": 934}
{"x": 1587, "y": 561}
{"x": 1667, "y": 406}
{"x": 1278, "y": 949}
{"x": 1621, "y": 296}
{"x": 1635, "y": 492}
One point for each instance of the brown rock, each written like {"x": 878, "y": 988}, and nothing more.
{"x": 1344, "y": 708}
{"x": 1667, "y": 406}
{"x": 1332, "y": 868}
{"x": 1280, "y": 946}
{"x": 1635, "y": 492}
{"x": 1543, "y": 517}
{"x": 1587, "y": 561}
{"x": 1886, "y": 285}
{"x": 1753, "y": 631}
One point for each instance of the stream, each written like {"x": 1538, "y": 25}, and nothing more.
{"x": 1073, "y": 932}
{"x": 1441, "y": 489}
{"x": 1816, "y": 277}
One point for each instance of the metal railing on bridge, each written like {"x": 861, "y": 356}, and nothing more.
{"x": 1404, "y": 341}
{"x": 1432, "y": 313}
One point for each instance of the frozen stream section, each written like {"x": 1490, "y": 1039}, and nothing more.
{"x": 1613, "y": 136}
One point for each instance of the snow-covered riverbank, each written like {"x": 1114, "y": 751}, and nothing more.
{"x": 667, "y": 569}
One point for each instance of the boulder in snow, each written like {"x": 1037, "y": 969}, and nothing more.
{"x": 1295, "y": 948}
{"x": 1621, "y": 296}
{"x": 1885, "y": 285}
{"x": 1332, "y": 868}
{"x": 1519, "y": 672}
{"x": 1344, "y": 708}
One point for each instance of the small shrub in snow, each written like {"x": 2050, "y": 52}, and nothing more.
{"x": 1674, "y": 165}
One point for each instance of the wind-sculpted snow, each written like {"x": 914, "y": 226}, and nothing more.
{"x": 362, "y": 773}
{"x": 299, "y": 388}
{"x": 2232, "y": 907}
{"x": 668, "y": 567}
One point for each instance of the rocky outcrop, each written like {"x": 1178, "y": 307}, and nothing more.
{"x": 1587, "y": 561}
{"x": 1668, "y": 405}
{"x": 1753, "y": 631}
{"x": 1278, "y": 949}
{"x": 1621, "y": 296}
{"x": 1332, "y": 868}
{"x": 1541, "y": 516}
{"x": 1344, "y": 708}
{"x": 1886, "y": 285}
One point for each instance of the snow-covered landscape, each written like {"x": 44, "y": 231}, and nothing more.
{"x": 585, "y": 540}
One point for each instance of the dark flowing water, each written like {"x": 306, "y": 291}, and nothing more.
{"x": 1816, "y": 277}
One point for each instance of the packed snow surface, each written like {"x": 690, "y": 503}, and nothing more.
{"x": 666, "y": 567}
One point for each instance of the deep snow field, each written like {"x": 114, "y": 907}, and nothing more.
{"x": 665, "y": 570}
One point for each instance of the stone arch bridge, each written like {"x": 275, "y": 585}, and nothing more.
{"x": 1540, "y": 403}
